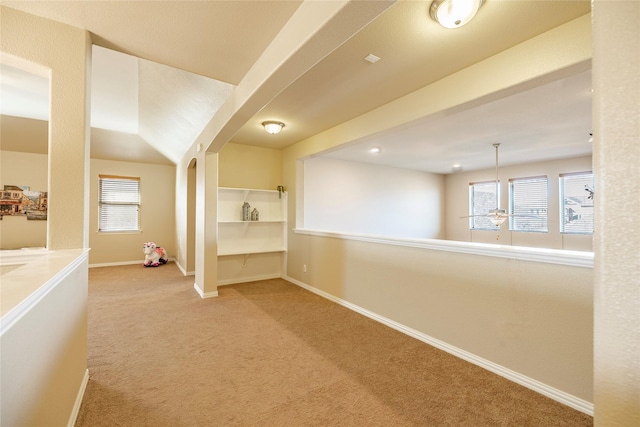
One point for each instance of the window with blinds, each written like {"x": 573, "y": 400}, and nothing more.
{"x": 118, "y": 203}
{"x": 482, "y": 199}
{"x": 528, "y": 204}
{"x": 576, "y": 203}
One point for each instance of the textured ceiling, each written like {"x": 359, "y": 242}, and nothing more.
{"x": 414, "y": 50}
{"x": 216, "y": 39}
{"x": 223, "y": 39}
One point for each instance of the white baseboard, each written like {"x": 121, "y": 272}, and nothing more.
{"x": 76, "y": 406}
{"x": 248, "y": 279}
{"x": 115, "y": 264}
{"x": 204, "y": 295}
{"x": 544, "y": 389}
{"x": 182, "y": 269}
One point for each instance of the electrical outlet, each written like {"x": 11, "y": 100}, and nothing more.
{"x": 304, "y": 268}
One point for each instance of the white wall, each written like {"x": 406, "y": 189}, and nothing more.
{"x": 44, "y": 343}
{"x": 362, "y": 198}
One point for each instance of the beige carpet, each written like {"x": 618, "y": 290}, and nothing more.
{"x": 272, "y": 354}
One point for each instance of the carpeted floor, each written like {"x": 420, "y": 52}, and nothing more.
{"x": 272, "y": 354}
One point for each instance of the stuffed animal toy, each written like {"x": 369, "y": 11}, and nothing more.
{"x": 153, "y": 255}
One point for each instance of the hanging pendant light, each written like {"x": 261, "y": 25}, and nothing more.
{"x": 497, "y": 216}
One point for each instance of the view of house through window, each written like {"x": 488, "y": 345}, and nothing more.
{"x": 482, "y": 199}
{"x": 528, "y": 200}
{"x": 576, "y": 199}
{"x": 118, "y": 203}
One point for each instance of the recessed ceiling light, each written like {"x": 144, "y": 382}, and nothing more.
{"x": 375, "y": 150}
{"x": 456, "y": 167}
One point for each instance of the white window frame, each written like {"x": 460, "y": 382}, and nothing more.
{"x": 477, "y": 220}
{"x": 580, "y": 202}
{"x": 532, "y": 216}
{"x": 118, "y": 204}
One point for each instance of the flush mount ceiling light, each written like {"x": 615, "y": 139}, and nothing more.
{"x": 375, "y": 150}
{"x": 454, "y": 13}
{"x": 273, "y": 127}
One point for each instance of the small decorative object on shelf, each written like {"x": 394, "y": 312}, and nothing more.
{"x": 280, "y": 189}
{"x": 246, "y": 211}
{"x": 255, "y": 215}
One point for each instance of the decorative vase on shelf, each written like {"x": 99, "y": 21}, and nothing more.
{"x": 246, "y": 211}
{"x": 255, "y": 215}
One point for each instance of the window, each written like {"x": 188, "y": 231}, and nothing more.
{"x": 528, "y": 204}
{"x": 118, "y": 203}
{"x": 482, "y": 199}
{"x": 576, "y": 201}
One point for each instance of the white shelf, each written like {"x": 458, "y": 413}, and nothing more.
{"x": 250, "y": 222}
{"x": 238, "y": 237}
{"x": 231, "y": 253}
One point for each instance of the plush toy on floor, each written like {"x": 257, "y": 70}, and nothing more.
{"x": 153, "y": 255}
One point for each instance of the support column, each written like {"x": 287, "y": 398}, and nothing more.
{"x": 616, "y": 156}
{"x": 207, "y": 225}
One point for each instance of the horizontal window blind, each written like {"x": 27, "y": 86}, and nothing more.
{"x": 119, "y": 203}
{"x": 528, "y": 204}
{"x": 576, "y": 200}
{"x": 482, "y": 199}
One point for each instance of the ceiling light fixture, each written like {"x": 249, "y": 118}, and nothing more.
{"x": 454, "y": 13}
{"x": 375, "y": 150}
{"x": 273, "y": 127}
{"x": 497, "y": 216}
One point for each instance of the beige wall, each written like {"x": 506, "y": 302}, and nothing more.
{"x": 157, "y": 214}
{"x": 457, "y": 190}
{"x": 23, "y": 169}
{"x": 240, "y": 166}
{"x": 520, "y": 315}
{"x": 245, "y": 166}
{"x": 616, "y": 84}
{"x": 63, "y": 54}
{"x": 157, "y": 192}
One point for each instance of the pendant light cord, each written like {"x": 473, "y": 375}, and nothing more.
{"x": 497, "y": 185}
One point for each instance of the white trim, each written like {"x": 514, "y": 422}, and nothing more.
{"x": 549, "y": 256}
{"x": 76, "y": 407}
{"x": 204, "y": 295}
{"x": 544, "y": 389}
{"x": 248, "y": 279}
{"x": 115, "y": 264}
{"x": 181, "y": 268}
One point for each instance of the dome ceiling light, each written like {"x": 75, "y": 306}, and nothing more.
{"x": 273, "y": 127}
{"x": 454, "y": 13}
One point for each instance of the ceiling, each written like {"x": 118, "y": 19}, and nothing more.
{"x": 209, "y": 43}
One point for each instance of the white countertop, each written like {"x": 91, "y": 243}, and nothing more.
{"x": 25, "y": 273}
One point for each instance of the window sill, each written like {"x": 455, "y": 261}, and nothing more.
{"x": 548, "y": 256}
{"x": 119, "y": 232}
